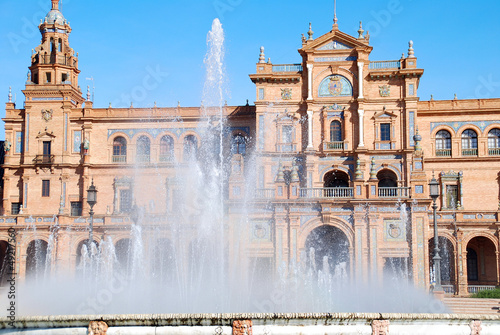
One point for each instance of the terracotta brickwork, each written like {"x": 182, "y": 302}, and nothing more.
{"x": 339, "y": 140}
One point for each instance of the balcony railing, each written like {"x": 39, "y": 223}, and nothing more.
{"x": 264, "y": 193}
{"x": 494, "y": 152}
{"x": 388, "y": 64}
{"x": 286, "y": 147}
{"x": 119, "y": 158}
{"x": 469, "y": 152}
{"x": 166, "y": 158}
{"x": 327, "y": 192}
{"x": 55, "y": 59}
{"x": 287, "y": 68}
{"x": 142, "y": 158}
{"x": 478, "y": 288}
{"x": 443, "y": 152}
{"x": 339, "y": 145}
{"x": 393, "y": 192}
{"x": 450, "y": 289}
{"x": 44, "y": 159}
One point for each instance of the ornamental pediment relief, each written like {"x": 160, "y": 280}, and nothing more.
{"x": 334, "y": 45}
{"x": 45, "y": 134}
{"x": 384, "y": 114}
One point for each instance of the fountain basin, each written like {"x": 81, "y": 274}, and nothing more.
{"x": 258, "y": 324}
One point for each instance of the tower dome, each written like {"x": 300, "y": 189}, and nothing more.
{"x": 55, "y": 16}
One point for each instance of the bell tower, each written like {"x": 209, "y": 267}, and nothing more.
{"x": 53, "y": 74}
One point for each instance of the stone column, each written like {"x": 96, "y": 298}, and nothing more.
{"x": 360, "y": 77}
{"x": 309, "y": 82}
{"x": 361, "y": 115}
{"x": 310, "y": 129}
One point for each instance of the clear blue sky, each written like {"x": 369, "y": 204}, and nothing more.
{"x": 119, "y": 42}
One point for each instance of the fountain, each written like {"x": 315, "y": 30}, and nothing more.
{"x": 198, "y": 265}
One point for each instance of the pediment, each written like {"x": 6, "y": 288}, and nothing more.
{"x": 384, "y": 114}
{"x": 335, "y": 40}
{"x": 334, "y": 45}
{"x": 46, "y": 134}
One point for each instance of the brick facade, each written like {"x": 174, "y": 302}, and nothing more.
{"x": 333, "y": 137}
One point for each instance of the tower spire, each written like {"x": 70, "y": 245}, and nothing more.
{"x": 55, "y": 4}
{"x": 335, "y": 20}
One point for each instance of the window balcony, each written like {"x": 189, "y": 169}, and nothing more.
{"x": 443, "y": 152}
{"x": 286, "y": 147}
{"x": 265, "y": 193}
{"x": 44, "y": 159}
{"x": 142, "y": 159}
{"x": 119, "y": 158}
{"x": 469, "y": 152}
{"x": 494, "y": 152}
{"x": 333, "y": 146}
{"x": 327, "y": 192}
{"x": 393, "y": 192}
{"x": 166, "y": 158}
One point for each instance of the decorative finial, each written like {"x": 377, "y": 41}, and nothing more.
{"x": 262, "y": 57}
{"x": 417, "y": 138}
{"x": 88, "y": 93}
{"x": 269, "y": 60}
{"x": 10, "y": 94}
{"x": 280, "y": 177}
{"x": 373, "y": 171}
{"x": 403, "y": 55}
{"x": 411, "y": 52}
{"x": 360, "y": 31}
{"x": 295, "y": 174}
{"x": 455, "y": 98}
{"x": 155, "y": 105}
{"x": 335, "y": 21}
{"x": 359, "y": 173}
{"x": 55, "y": 4}
{"x": 179, "y": 104}
{"x": 131, "y": 104}
{"x": 432, "y": 97}
{"x": 310, "y": 33}
{"x": 110, "y": 105}
{"x": 303, "y": 39}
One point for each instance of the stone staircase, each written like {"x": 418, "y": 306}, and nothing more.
{"x": 473, "y": 306}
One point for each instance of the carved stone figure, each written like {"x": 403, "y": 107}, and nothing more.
{"x": 98, "y": 328}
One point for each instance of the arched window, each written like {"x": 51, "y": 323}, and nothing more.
{"x": 119, "y": 150}
{"x": 494, "y": 142}
{"x": 388, "y": 184}
{"x": 335, "y": 131}
{"x": 143, "y": 149}
{"x": 60, "y": 45}
{"x": 443, "y": 143}
{"x": 52, "y": 45}
{"x": 469, "y": 143}
{"x": 472, "y": 273}
{"x": 166, "y": 149}
{"x": 190, "y": 147}
{"x": 239, "y": 145}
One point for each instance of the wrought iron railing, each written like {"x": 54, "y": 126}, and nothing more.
{"x": 44, "y": 159}
{"x": 393, "y": 192}
{"x": 469, "y": 152}
{"x": 327, "y": 192}
{"x": 386, "y": 64}
{"x": 443, "y": 152}
{"x": 494, "y": 152}
{"x": 119, "y": 158}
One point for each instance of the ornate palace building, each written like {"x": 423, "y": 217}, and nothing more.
{"x": 343, "y": 147}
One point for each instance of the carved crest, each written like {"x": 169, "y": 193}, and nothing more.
{"x": 384, "y": 90}
{"x": 98, "y": 328}
{"x": 335, "y": 86}
{"x": 286, "y": 93}
{"x": 47, "y": 114}
{"x": 394, "y": 231}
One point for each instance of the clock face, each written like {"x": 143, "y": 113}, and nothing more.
{"x": 47, "y": 114}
